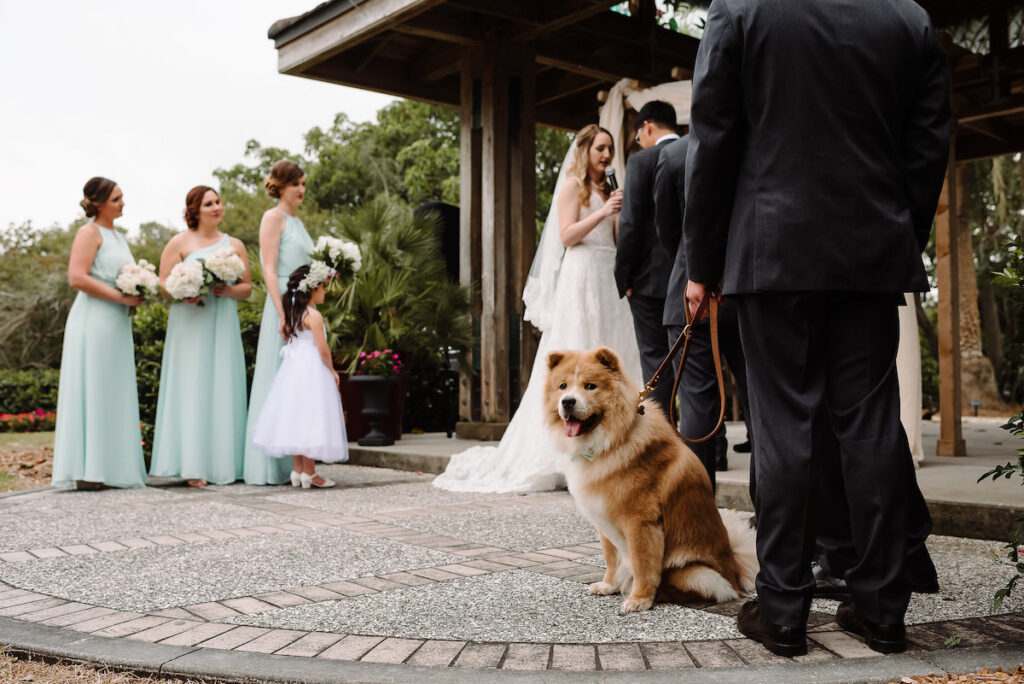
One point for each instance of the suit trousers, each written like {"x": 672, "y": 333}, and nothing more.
{"x": 650, "y": 337}
{"x": 699, "y": 402}
{"x": 821, "y": 371}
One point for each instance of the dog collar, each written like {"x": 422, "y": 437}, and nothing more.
{"x": 585, "y": 453}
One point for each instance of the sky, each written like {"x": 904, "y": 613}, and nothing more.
{"x": 155, "y": 95}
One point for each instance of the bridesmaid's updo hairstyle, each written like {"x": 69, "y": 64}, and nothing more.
{"x": 579, "y": 166}
{"x": 282, "y": 174}
{"x": 294, "y": 302}
{"x": 193, "y": 202}
{"x": 96, "y": 192}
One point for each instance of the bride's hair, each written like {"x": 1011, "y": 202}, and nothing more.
{"x": 294, "y": 302}
{"x": 579, "y": 167}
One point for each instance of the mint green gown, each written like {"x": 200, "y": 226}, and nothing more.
{"x": 98, "y": 438}
{"x": 200, "y": 413}
{"x": 293, "y": 252}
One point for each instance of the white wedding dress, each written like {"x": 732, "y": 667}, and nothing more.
{"x": 586, "y": 313}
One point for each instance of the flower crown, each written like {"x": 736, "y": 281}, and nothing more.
{"x": 318, "y": 273}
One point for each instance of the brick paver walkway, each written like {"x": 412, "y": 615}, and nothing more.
{"x": 57, "y": 584}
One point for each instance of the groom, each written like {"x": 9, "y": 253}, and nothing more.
{"x": 812, "y": 177}
{"x": 642, "y": 266}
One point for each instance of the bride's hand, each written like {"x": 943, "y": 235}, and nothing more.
{"x": 614, "y": 203}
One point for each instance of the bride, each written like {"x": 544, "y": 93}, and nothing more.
{"x": 571, "y": 297}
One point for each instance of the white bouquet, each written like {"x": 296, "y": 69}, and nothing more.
{"x": 186, "y": 280}
{"x": 340, "y": 255}
{"x": 225, "y": 266}
{"x": 138, "y": 279}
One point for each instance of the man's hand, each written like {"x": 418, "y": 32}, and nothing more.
{"x": 695, "y": 293}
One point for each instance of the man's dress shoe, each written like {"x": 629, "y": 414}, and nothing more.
{"x": 783, "y": 641}
{"x": 881, "y": 638}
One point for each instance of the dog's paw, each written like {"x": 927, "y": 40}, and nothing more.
{"x": 603, "y": 589}
{"x": 634, "y": 604}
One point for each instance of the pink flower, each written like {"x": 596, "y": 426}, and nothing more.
{"x": 376, "y": 354}
{"x": 396, "y": 368}
{"x": 363, "y": 362}
{"x": 362, "y": 354}
{"x": 394, "y": 356}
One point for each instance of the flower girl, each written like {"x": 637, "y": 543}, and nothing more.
{"x": 302, "y": 415}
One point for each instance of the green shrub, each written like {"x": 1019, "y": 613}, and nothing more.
{"x": 27, "y": 390}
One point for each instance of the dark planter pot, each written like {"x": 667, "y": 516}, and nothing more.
{"x": 356, "y": 426}
{"x": 376, "y": 399}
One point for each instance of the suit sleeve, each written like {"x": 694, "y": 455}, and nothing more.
{"x": 636, "y": 202}
{"x": 926, "y": 141}
{"x": 717, "y": 132}
{"x": 668, "y": 220}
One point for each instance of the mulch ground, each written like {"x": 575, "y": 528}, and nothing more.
{"x": 26, "y": 467}
{"x": 1015, "y": 676}
{"x": 15, "y": 669}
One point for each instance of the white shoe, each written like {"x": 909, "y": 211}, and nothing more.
{"x": 307, "y": 482}
{"x": 296, "y": 479}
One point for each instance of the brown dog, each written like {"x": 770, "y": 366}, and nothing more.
{"x": 645, "y": 491}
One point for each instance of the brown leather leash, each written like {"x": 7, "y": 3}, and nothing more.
{"x": 708, "y": 303}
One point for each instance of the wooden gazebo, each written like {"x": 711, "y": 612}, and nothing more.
{"x": 511, "y": 64}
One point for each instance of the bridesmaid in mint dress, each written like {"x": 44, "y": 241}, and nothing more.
{"x": 284, "y": 246}
{"x": 98, "y": 443}
{"x": 200, "y": 414}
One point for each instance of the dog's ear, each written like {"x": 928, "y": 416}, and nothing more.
{"x": 607, "y": 358}
{"x": 555, "y": 358}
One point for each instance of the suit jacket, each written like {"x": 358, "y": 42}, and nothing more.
{"x": 669, "y": 207}
{"x": 819, "y": 136}
{"x": 640, "y": 262}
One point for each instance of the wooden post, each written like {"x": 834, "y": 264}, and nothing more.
{"x": 494, "y": 234}
{"x": 951, "y": 441}
{"x": 523, "y": 199}
{"x": 469, "y": 216}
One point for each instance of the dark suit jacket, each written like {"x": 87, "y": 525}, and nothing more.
{"x": 669, "y": 207}
{"x": 819, "y": 137}
{"x": 640, "y": 262}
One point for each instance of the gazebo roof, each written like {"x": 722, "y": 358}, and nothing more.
{"x": 412, "y": 48}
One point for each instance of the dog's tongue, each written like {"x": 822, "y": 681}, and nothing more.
{"x": 572, "y": 427}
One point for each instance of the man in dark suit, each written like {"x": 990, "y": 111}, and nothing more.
{"x": 698, "y": 388}
{"x": 642, "y": 266}
{"x": 819, "y": 137}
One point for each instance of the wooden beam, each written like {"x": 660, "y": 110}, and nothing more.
{"x": 470, "y": 140}
{"x": 348, "y": 29}
{"x": 587, "y": 9}
{"x": 385, "y": 76}
{"x": 951, "y": 441}
{"x": 460, "y": 30}
{"x": 494, "y": 235}
{"x": 522, "y": 199}
{"x": 436, "y": 63}
{"x": 1008, "y": 107}
{"x": 560, "y": 85}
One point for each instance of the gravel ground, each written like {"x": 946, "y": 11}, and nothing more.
{"x": 57, "y": 527}
{"x": 521, "y": 529}
{"x": 506, "y": 606}
{"x": 386, "y": 497}
{"x": 165, "y": 576}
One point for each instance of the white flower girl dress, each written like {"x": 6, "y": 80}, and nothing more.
{"x": 302, "y": 413}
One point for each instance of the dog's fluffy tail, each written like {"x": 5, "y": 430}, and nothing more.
{"x": 743, "y": 542}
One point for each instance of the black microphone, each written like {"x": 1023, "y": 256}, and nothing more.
{"x": 609, "y": 175}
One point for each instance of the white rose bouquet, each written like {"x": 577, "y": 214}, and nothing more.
{"x": 138, "y": 279}
{"x": 187, "y": 280}
{"x": 224, "y": 266}
{"x": 340, "y": 255}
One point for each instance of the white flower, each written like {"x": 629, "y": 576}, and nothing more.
{"x": 225, "y": 266}
{"x": 318, "y": 273}
{"x": 186, "y": 280}
{"x": 138, "y": 279}
{"x": 351, "y": 252}
{"x": 332, "y": 246}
